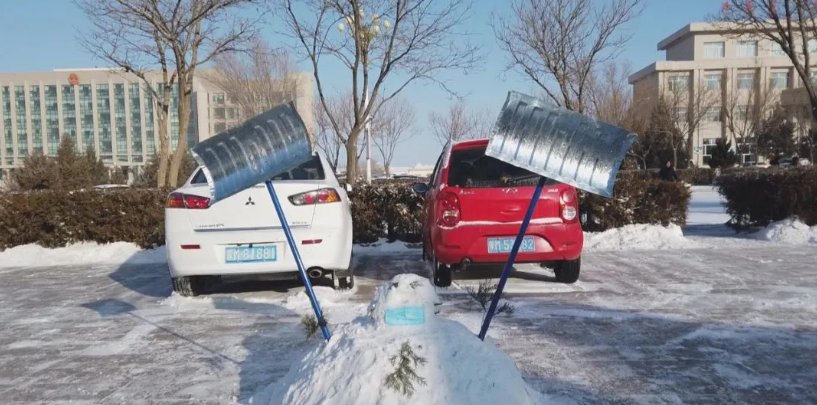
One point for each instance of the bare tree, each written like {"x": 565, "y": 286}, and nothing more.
{"x": 558, "y": 43}
{"x": 255, "y": 81}
{"x": 744, "y": 111}
{"x": 177, "y": 36}
{"x": 325, "y": 138}
{"x": 691, "y": 104}
{"x": 390, "y": 126}
{"x": 611, "y": 101}
{"x": 457, "y": 124}
{"x": 791, "y": 24}
{"x": 385, "y": 46}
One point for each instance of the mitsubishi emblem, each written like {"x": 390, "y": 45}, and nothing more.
{"x": 249, "y": 201}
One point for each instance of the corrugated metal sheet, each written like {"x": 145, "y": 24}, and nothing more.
{"x": 262, "y": 147}
{"x": 560, "y": 144}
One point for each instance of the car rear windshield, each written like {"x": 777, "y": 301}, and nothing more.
{"x": 310, "y": 170}
{"x": 470, "y": 168}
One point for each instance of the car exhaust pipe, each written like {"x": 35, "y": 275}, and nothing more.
{"x": 315, "y": 272}
{"x": 466, "y": 262}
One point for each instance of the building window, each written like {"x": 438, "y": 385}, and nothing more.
{"x": 103, "y": 105}
{"x": 779, "y": 80}
{"x": 52, "y": 119}
{"x": 120, "y": 122}
{"x": 218, "y": 98}
{"x": 218, "y": 113}
{"x": 22, "y": 133}
{"x": 69, "y": 113}
{"x": 135, "y": 122}
{"x": 86, "y": 114}
{"x": 713, "y": 114}
{"x": 812, "y": 45}
{"x": 776, "y": 50}
{"x": 747, "y": 49}
{"x": 219, "y": 127}
{"x": 746, "y": 80}
{"x": 150, "y": 141}
{"x": 709, "y": 147}
{"x": 36, "y": 119}
{"x": 6, "y": 97}
{"x": 713, "y": 50}
{"x": 679, "y": 114}
{"x": 678, "y": 82}
{"x": 742, "y": 113}
{"x": 713, "y": 81}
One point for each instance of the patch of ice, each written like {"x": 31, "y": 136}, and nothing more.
{"x": 639, "y": 237}
{"x": 788, "y": 231}
{"x": 82, "y": 253}
{"x": 177, "y": 301}
{"x": 352, "y": 367}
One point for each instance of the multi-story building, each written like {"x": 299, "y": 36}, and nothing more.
{"x": 111, "y": 111}
{"x": 739, "y": 71}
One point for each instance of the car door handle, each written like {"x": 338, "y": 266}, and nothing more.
{"x": 512, "y": 210}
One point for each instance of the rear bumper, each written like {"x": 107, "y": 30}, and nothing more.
{"x": 334, "y": 252}
{"x": 553, "y": 242}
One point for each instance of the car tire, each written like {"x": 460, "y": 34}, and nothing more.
{"x": 189, "y": 286}
{"x": 568, "y": 271}
{"x": 441, "y": 274}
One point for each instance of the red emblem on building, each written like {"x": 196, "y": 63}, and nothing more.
{"x": 73, "y": 79}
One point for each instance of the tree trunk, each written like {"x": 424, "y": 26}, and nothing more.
{"x": 163, "y": 153}
{"x": 351, "y": 162}
{"x": 674, "y": 156}
{"x": 184, "y": 123}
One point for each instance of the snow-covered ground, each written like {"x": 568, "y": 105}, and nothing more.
{"x": 83, "y": 253}
{"x": 716, "y": 318}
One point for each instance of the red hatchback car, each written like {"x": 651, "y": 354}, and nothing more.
{"x": 475, "y": 204}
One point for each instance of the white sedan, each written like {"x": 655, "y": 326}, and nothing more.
{"x": 242, "y": 235}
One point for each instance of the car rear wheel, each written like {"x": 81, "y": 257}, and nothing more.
{"x": 568, "y": 271}
{"x": 189, "y": 286}
{"x": 442, "y": 274}
{"x": 346, "y": 283}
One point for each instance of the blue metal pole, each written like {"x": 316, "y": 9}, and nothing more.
{"x": 511, "y": 259}
{"x": 297, "y": 255}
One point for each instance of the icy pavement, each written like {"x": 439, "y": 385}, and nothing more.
{"x": 726, "y": 320}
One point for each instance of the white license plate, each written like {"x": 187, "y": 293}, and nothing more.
{"x": 504, "y": 245}
{"x": 250, "y": 254}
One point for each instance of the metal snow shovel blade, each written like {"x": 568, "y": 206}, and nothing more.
{"x": 559, "y": 144}
{"x": 253, "y": 153}
{"x": 260, "y": 148}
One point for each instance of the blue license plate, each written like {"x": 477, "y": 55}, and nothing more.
{"x": 250, "y": 254}
{"x": 504, "y": 245}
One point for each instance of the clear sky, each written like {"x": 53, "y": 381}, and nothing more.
{"x": 40, "y": 35}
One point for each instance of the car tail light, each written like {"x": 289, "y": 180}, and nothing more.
{"x": 448, "y": 207}
{"x": 193, "y": 202}
{"x": 568, "y": 205}
{"x": 322, "y": 196}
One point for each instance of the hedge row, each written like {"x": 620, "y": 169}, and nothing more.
{"x": 57, "y": 218}
{"x": 758, "y": 197}
{"x": 386, "y": 210}
{"x": 697, "y": 176}
{"x": 637, "y": 199}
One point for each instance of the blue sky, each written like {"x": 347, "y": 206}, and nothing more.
{"x": 40, "y": 35}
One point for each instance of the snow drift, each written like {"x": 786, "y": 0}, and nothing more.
{"x": 83, "y": 253}
{"x": 353, "y": 366}
{"x": 788, "y": 231}
{"x": 638, "y": 237}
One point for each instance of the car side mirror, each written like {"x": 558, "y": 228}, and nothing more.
{"x": 420, "y": 188}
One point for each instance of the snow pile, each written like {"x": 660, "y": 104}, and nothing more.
{"x": 457, "y": 368}
{"x": 82, "y": 253}
{"x": 327, "y": 297}
{"x": 789, "y": 231}
{"x": 638, "y": 237}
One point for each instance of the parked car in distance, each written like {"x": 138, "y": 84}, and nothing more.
{"x": 242, "y": 235}
{"x": 474, "y": 206}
